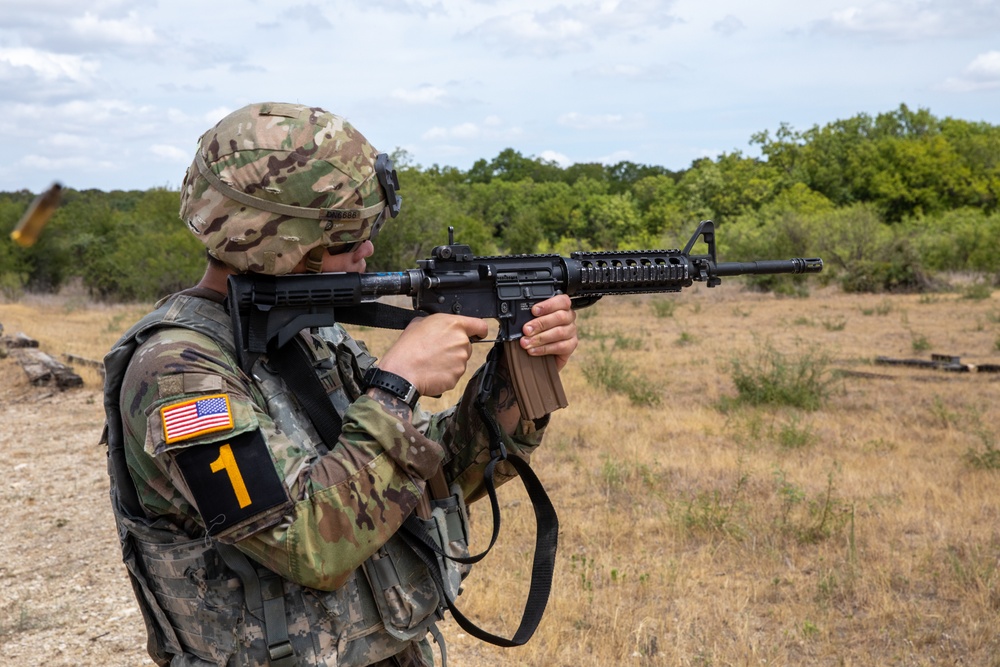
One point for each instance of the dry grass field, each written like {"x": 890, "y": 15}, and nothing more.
{"x": 859, "y": 527}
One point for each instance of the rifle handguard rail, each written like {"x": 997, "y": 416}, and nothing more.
{"x": 268, "y": 310}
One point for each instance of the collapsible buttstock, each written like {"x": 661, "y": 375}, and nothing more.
{"x": 536, "y": 382}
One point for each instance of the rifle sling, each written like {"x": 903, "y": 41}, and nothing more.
{"x": 546, "y": 528}
{"x": 295, "y": 366}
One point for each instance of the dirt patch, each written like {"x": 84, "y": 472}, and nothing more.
{"x": 64, "y": 597}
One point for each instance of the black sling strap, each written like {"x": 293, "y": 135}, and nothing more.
{"x": 295, "y": 367}
{"x": 546, "y": 528}
{"x": 542, "y": 568}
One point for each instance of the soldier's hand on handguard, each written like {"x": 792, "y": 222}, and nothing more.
{"x": 433, "y": 352}
{"x": 553, "y": 331}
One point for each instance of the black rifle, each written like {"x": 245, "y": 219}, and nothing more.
{"x": 270, "y": 310}
{"x": 267, "y": 312}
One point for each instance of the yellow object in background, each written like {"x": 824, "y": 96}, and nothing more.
{"x": 34, "y": 219}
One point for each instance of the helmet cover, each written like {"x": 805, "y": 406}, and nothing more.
{"x": 272, "y": 182}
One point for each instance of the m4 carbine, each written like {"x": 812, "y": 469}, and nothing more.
{"x": 269, "y": 311}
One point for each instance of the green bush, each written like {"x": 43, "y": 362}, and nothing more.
{"x": 609, "y": 372}
{"x": 770, "y": 377}
{"x": 959, "y": 240}
{"x": 866, "y": 254}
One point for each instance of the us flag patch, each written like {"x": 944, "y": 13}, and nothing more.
{"x": 189, "y": 419}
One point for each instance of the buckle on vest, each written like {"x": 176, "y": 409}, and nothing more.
{"x": 280, "y": 651}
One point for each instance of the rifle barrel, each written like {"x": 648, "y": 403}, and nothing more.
{"x": 796, "y": 265}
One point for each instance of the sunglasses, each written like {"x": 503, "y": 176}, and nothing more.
{"x": 351, "y": 247}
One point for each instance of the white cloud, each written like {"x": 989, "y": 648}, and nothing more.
{"x": 62, "y": 6}
{"x": 420, "y": 96}
{"x": 460, "y": 131}
{"x": 558, "y": 158}
{"x": 435, "y": 134}
{"x": 65, "y": 163}
{"x": 983, "y": 73}
{"x": 66, "y": 141}
{"x": 986, "y": 66}
{"x": 616, "y": 157}
{"x": 84, "y": 141}
{"x": 491, "y": 128}
{"x": 171, "y": 153}
{"x": 728, "y": 26}
{"x": 631, "y": 72}
{"x": 465, "y": 131}
{"x": 215, "y": 115}
{"x": 138, "y": 79}
{"x": 579, "y": 121}
{"x": 573, "y": 27}
{"x": 128, "y": 31}
{"x": 915, "y": 19}
{"x": 47, "y": 66}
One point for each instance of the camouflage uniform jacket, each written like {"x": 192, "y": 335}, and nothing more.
{"x": 226, "y": 465}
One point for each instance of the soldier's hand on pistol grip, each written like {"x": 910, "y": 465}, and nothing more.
{"x": 433, "y": 352}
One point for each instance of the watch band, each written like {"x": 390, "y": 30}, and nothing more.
{"x": 396, "y": 385}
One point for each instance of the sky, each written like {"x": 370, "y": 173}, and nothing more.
{"x": 113, "y": 94}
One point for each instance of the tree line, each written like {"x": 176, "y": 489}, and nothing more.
{"x": 889, "y": 201}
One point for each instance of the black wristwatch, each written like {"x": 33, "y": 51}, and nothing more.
{"x": 392, "y": 383}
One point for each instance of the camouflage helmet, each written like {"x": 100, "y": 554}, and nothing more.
{"x": 273, "y": 183}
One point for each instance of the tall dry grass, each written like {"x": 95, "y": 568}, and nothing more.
{"x": 699, "y": 529}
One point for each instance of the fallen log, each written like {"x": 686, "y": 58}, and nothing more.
{"x": 21, "y": 340}
{"x": 43, "y": 370}
{"x": 941, "y": 362}
{"x": 84, "y": 361}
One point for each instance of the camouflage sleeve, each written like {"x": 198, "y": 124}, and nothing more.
{"x": 312, "y": 519}
{"x": 466, "y": 439}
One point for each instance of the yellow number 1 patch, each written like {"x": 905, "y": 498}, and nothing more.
{"x": 232, "y": 481}
{"x": 227, "y": 462}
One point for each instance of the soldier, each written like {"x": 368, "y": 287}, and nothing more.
{"x": 249, "y": 536}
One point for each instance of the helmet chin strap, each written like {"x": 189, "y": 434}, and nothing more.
{"x": 314, "y": 260}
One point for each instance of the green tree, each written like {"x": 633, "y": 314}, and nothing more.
{"x": 961, "y": 240}
{"x": 427, "y": 212}
{"x": 510, "y": 165}
{"x": 622, "y": 176}
{"x": 16, "y": 263}
{"x": 658, "y": 200}
{"x": 729, "y": 187}
{"x": 143, "y": 253}
{"x": 608, "y": 222}
{"x": 868, "y": 255}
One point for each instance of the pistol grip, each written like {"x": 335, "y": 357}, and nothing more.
{"x": 536, "y": 382}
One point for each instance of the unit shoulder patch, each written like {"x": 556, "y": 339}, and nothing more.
{"x": 232, "y": 480}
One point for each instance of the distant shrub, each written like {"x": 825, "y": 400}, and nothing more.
{"x": 867, "y": 255}
{"x": 959, "y": 240}
{"x": 987, "y": 458}
{"x": 769, "y": 377}
{"x": 609, "y": 372}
